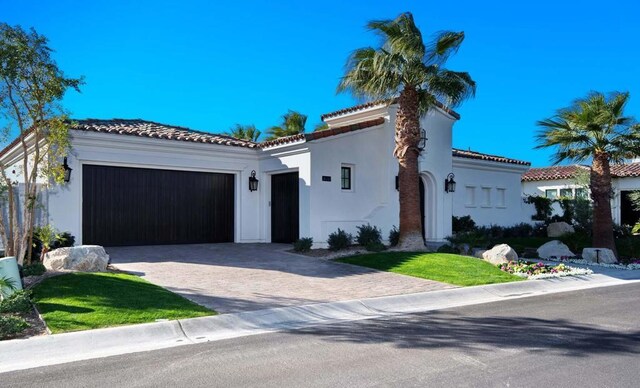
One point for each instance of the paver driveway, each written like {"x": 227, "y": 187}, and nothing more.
{"x": 244, "y": 277}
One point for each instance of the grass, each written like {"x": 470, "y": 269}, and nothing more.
{"x": 442, "y": 267}
{"x": 82, "y": 301}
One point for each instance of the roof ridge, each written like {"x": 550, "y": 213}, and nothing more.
{"x": 373, "y": 103}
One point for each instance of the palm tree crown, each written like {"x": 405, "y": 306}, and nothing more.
{"x": 245, "y": 132}
{"x": 293, "y": 123}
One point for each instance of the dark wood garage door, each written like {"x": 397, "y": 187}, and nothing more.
{"x": 284, "y": 208}
{"x": 135, "y": 206}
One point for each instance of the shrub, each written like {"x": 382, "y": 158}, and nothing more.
{"x": 18, "y": 302}
{"x": 375, "y": 247}
{"x": 303, "y": 244}
{"x": 63, "y": 240}
{"x": 368, "y": 234}
{"x": 394, "y": 236}
{"x": 339, "y": 240}
{"x": 7, "y": 285}
{"x": 35, "y": 269}
{"x": 462, "y": 224}
{"x": 11, "y": 325}
{"x": 576, "y": 241}
{"x": 446, "y": 248}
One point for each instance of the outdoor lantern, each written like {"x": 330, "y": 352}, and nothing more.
{"x": 423, "y": 140}
{"x": 253, "y": 181}
{"x": 449, "y": 183}
{"x": 67, "y": 170}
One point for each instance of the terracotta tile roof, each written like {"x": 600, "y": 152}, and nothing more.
{"x": 380, "y": 102}
{"x": 492, "y": 158}
{"x": 625, "y": 170}
{"x": 142, "y": 128}
{"x": 322, "y": 134}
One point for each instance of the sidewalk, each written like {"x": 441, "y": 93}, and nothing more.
{"x": 69, "y": 347}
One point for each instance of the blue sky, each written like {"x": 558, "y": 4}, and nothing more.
{"x": 208, "y": 65}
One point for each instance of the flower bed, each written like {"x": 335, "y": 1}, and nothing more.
{"x": 534, "y": 271}
{"x": 634, "y": 265}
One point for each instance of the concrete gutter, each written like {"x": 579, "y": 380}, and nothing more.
{"x": 84, "y": 345}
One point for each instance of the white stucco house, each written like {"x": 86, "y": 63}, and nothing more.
{"x": 136, "y": 182}
{"x": 565, "y": 181}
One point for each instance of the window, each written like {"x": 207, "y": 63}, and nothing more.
{"x": 470, "y": 196}
{"x": 486, "y": 197}
{"x": 581, "y": 193}
{"x": 551, "y": 193}
{"x": 345, "y": 178}
{"x": 566, "y": 193}
{"x": 501, "y": 194}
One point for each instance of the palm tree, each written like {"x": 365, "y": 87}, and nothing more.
{"x": 292, "y": 124}
{"x": 405, "y": 70}
{"x": 320, "y": 127}
{"x": 595, "y": 129}
{"x": 244, "y": 132}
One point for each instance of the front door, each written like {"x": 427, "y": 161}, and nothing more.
{"x": 284, "y": 208}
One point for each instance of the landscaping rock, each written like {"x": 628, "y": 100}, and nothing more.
{"x": 557, "y": 229}
{"x": 499, "y": 254}
{"x": 554, "y": 248}
{"x": 604, "y": 255}
{"x": 84, "y": 258}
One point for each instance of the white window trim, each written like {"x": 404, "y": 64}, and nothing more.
{"x": 473, "y": 203}
{"x": 483, "y": 204}
{"x": 504, "y": 203}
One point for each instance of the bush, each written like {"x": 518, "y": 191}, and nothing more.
{"x": 368, "y": 234}
{"x": 375, "y": 247}
{"x": 577, "y": 241}
{"x": 394, "y": 236}
{"x": 11, "y": 325}
{"x": 63, "y": 240}
{"x": 35, "y": 269}
{"x": 446, "y": 248}
{"x": 339, "y": 240}
{"x": 462, "y": 224}
{"x": 18, "y": 302}
{"x": 303, "y": 244}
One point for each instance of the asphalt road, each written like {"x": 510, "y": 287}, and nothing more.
{"x": 581, "y": 339}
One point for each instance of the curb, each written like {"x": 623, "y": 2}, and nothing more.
{"x": 84, "y": 345}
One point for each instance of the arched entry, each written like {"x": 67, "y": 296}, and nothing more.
{"x": 428, "y": 210}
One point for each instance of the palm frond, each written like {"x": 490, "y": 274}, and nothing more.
{"x": 443, "y": 45}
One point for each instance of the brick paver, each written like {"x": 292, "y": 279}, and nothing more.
{"x": 244, "y": 277}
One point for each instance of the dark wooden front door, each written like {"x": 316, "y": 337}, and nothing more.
{"x": 136, "y": 206}
{"x": 284, "y": 208}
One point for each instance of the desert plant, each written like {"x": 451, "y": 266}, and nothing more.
{"x": 394, "y": 236}
{"x": 368, "y": 234}
{"x": 7, "y": 285}
{"x": 11, "y": 325}
{"x": 303, "y": 244}
{"x": 46, "y": 234}
{"x": 18, "y": 302}
{"x": 339, "y": 240}
{"x": 462, "y": 224}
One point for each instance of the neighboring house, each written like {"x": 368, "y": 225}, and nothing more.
{"x": 566, "y": 181}
{"x": 136, "y": 182}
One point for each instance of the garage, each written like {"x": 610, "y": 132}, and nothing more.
{"x": 125, "y": 206}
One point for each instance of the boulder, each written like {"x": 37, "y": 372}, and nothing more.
{"x": 84, "y": 258}
{"x": 554, "y": 248}
{"x": 557, "y": 229}
{"x": 499, "y": 254}
{"x": 599, "y": 255}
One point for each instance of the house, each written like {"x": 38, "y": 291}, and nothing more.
{"x": 571, "y": 181}
{"x": 135, "y": 182}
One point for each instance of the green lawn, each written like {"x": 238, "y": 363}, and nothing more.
{"x": 82, "y": 301}
{"x": 443, "y": 267}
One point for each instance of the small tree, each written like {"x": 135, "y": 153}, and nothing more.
{"x": 31, "y": 87}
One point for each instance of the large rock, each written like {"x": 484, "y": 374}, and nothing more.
{"x": 85, "y": 258}
{"x": 554, "y": 248}
{"x": 599, "y": 255}
{"x": 499, "y": 254}
{"x": 557, "y": 229}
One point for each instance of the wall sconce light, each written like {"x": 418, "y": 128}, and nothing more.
{"x": 67, "y": 170}
{"x": 253, "y": 181}
{"x": 449, "y": 183}
{"x": 423, "y": 140}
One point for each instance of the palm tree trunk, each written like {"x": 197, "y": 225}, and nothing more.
{"x": 601, "y": 195}
{"x": 407, "y": 137}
